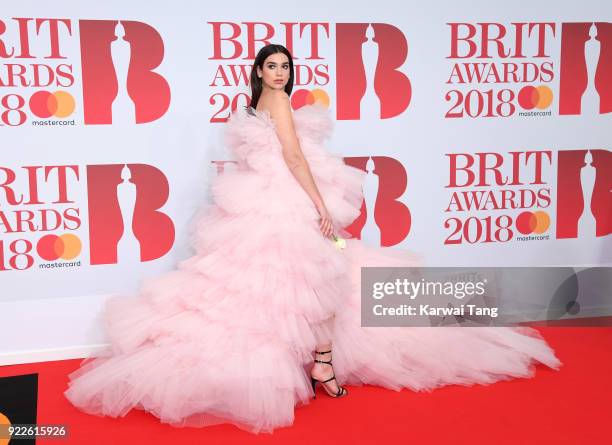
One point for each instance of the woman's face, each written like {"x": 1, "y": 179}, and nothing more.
{"x": 275, "y": 72}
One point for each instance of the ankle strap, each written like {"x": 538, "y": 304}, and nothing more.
{"x": 324, "y": 352}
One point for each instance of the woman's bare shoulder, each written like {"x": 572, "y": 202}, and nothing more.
{"x": 276, "y": 103}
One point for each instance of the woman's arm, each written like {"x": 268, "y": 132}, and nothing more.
{"x": 294, "y": 158}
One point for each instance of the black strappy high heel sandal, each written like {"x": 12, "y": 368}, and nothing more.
{"x": 341, "y": 390}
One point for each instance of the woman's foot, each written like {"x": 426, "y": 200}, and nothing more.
{"x": 323, "y": 373}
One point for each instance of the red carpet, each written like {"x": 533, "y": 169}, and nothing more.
{"x": 570, "y": 406}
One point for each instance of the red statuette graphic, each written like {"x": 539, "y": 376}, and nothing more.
{"x": 142, "y": 49}
{"x": 153, "y": 229}
{"x": 388, "y": 50}
{"x": 585, "y": 85}
{"x": 392, "y": 216}
{"x": 584, "y": 193}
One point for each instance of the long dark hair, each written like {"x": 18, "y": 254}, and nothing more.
{"x": 262, "y": 55}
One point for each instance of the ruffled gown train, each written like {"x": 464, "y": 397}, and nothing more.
{"x": 228, "y": 336}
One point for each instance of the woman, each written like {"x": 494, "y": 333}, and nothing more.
{"x": 229, "y": 335}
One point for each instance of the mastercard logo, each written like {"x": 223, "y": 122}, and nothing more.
{"x": 53, "y": 247}
{"x": 45, "y": 104}
{"x": 532, "y": 222}
{"x": 5, "y": 422}
{"x": 531, "y": 97}
{"x": 302, "y": 97}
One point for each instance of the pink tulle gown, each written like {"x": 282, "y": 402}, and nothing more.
{"x": 228, "y": 336}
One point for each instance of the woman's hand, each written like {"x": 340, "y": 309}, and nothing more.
{"x": 325, "y": 223}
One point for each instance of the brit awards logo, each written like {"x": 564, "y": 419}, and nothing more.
{"x": 500, "y": 70}
{"x": 369, "y": 59}
{"x": 40, "y": 219}
{"x": 41, "y": 215}
{"x": 40, "y": 72}
{"x": 498, "y": 197}
{"x": 504, "y": 70}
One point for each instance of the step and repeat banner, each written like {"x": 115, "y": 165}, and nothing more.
{"x": 484, "y": 129}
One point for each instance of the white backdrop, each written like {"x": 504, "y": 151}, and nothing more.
{"x": 180, "y": 72}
